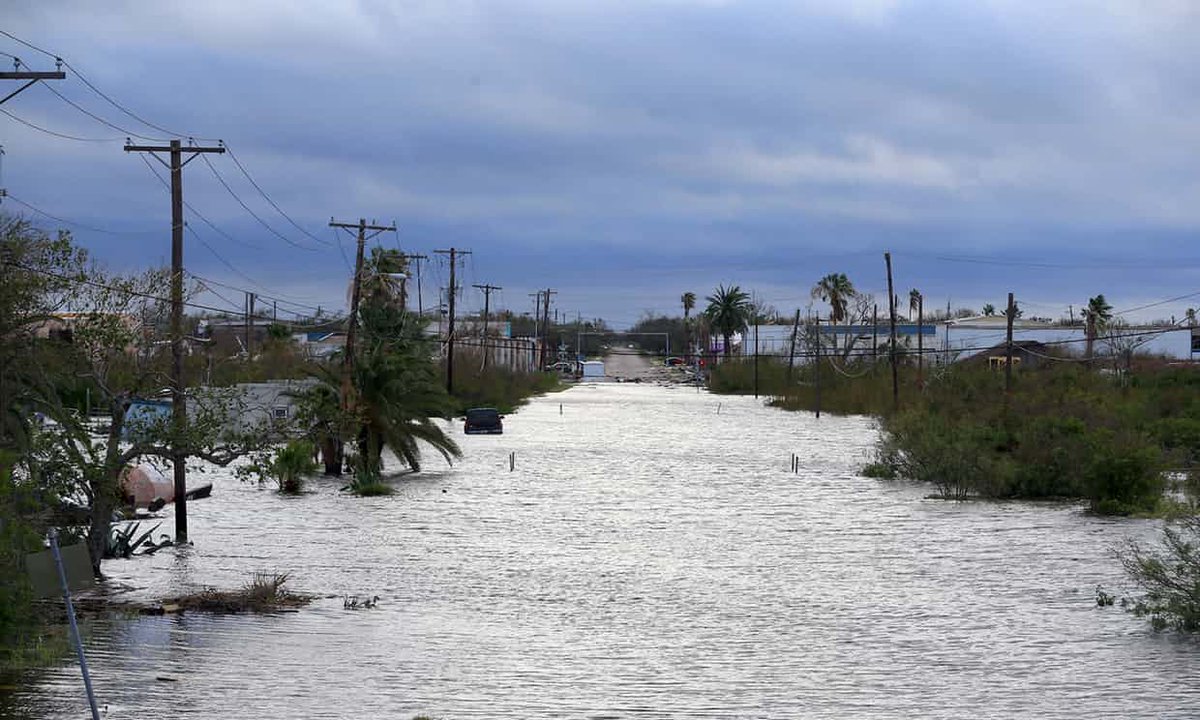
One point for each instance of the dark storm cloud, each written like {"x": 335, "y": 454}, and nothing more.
{"x": 629, "y": 148}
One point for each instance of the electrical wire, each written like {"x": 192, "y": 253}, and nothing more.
{"x": 29, "y": 45}
{"x": 196, "y": 212}
{"x": 55, "y": 133}
{"x": 63, "y": 220}
{"x": 97, "y": 118}
{"x": 253, "y": 214}
{"x": 267, "y": 197}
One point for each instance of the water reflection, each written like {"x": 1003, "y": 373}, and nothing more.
{"x": 648, "y": 557}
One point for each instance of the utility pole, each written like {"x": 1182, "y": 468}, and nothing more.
{"x": 418, "y": 258}
{"x": 178, "y": 397}
{"x": 352, "y": 325}
{"x": 874, "y": 334}
{"x": 249, "y": 324}
{"x": 453, "y": 253}
{"x": 537, "y": 313}
{"x": 755, "y": 360}
{"x": 30, "y": 75}
{"x": 792, "y": 352}
{"x": 487, "y": 296}
{"x": 920, "y": 342}
{"x": 1008, "y": 348}
{"x": 887, "y": 258}
{"x": 546, "y": 324}
{"x": 817, "y": 365}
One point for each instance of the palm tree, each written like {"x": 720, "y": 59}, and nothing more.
{"x": 989, "y": 310}
{"x": 837, "y": 290}
{"x": 914, "y": 302}
{"x": 397, "y": 390}
{"x": 728, "y": 312}
{"x": 689, "y": 301}
{"x": 384, "y": 275}
{"x": 1097, "y": 314}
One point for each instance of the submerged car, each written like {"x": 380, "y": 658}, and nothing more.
{"x": 483, "y": 421}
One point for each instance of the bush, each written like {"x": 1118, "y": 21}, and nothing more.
{"x": 264, "y": 593}
{"x": 1169, "y": 577}
{"x": 292, "y": 462}
{"x": 1124, "y": 479}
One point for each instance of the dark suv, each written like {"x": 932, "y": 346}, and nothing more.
{"x": 482, "y": 421}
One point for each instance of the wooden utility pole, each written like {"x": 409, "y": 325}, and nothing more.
{"x": 487, "y": 296}
{"x": 546, "y": 324}
{"x": 920, "y": 341}
{"x": 755, "y": 359}
{"x": 874, "y": 334}
{"x": 452, "y": 292}
{"x": 537, "y": 313}
{"x": 175, "y": 164}
{"x": 1008, "y": 348}
{"x": 887, "y": 258}
{"x": 792, "y": 352}
{"x": 248, "y": 325}
{"x": 817, "y": 364}
{"x": 418, "y": 258}
{"x": 31, "y": 76}
{"x": 355, "y": 295}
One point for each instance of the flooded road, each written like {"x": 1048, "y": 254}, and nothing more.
{"x": 651, "y": 556}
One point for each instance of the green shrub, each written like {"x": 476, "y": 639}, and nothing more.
{"x": 1169, "y": 577}
{"x": 291, "y": 463}
{"x": 1124, "y": 478}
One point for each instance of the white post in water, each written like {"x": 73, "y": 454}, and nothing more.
{"x": 62, "y": 576}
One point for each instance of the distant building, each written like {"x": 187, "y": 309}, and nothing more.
{"x": 1025, "y": 354}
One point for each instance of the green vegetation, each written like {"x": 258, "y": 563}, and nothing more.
{"x": 729, "y": 311}
{"x": 1066, "y": 431}
{"x": 264, "y": 593}
{"x": 395, "y": 388}
{"x": 494, "y": 386}
{"x": 1169, "y": 578}
{"x": 286, "y": 466}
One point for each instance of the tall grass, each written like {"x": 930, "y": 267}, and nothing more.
{"x": 497, "y": 387}
{"x": 1065, "y": 431}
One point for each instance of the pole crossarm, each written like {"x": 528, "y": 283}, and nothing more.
{"x": 30, "y": 76}
{"x": 362, "y": 226}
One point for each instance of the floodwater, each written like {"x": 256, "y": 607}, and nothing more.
{"x": 653, "y": 556}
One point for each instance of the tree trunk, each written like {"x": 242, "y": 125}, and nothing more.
{"x": 1091, "y": 337}
{"x": 331, "y": 455}
{"x": 105, "y": 490}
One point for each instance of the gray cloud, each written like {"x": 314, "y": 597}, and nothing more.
{"x": 600, "y": 142}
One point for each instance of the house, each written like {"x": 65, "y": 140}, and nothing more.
{"x": 1025, "y": 354}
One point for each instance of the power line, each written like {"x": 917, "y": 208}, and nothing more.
{"x": 29, "y": 45}
{"x": 99, "y": 119}
{"x": 196, "y": 212}
{"x": 55, "y": 133}
{"x": 1160, "y": 302}
{"x": 268, "y": 198}
{"x": 282, "y": 299}
{"x": 90, "y": 228}
{"x": 253, "y": 214}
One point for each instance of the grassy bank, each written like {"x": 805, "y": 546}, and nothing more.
{"x": 1127, "y": 444}
{"x": 496, "y": 387}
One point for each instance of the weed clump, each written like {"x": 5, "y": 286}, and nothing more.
{"x": 264, "y": 593}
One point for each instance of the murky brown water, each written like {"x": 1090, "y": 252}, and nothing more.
{"x": 650, "y": 557}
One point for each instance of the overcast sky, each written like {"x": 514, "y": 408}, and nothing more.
{"x": 625, "y": 152}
